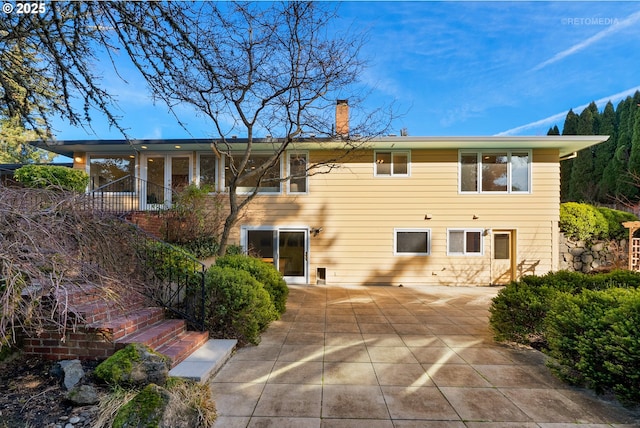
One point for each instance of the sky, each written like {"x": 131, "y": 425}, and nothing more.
{"x": 457, "y": 68}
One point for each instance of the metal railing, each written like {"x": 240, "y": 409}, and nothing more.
{"x": 174, "y": 279}
{"x": 129, "y": 193}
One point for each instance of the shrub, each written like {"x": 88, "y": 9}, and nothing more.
{"x": 518, "y": 310}
{"x": 615, "y": 218}
{"x": 582, "y": 221}
{"x": 265, "y": 273}
{"x": 595, "y": 341}
{"x": 44, "y": 176}
{"x": 237, "y": 305}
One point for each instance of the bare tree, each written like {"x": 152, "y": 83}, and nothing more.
{"x": 273, "y": 69}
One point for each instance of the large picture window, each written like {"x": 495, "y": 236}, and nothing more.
{"x": 412, "y": 242}
{"x": 111, "y": 173}
{"x": 464, "y": 242}
{"x": 271, "y": 179}
{"x": 207, "y": 170}
{"x": 298, "y": 164}
{"x": 495, "y": 171}
{"x": 392, "y": 164}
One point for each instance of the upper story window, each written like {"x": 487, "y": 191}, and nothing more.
{"x": 207, "y": 166}
{"x": 392, "y": 164}
{"x": 110, "y": 173}
{"x": 297, "y": 164}
{"x": 495, "y": 171}
{"x": 271, "y": 180}
{"x": 464, "y": 242}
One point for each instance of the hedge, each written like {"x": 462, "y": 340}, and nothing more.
{"x": 44, "y": 176}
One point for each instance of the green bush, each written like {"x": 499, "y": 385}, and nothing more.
{"x": 615, "y": 218}
{"x": 518, "y": 310}
{"x": 582, "y": 221}
{"x": 237, "y": 305}
{"x": 265, "y": 273}
{"x": 595, "y": 341}
{"x": 44, "y": 176}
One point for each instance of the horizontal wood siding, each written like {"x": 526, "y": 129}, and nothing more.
{"x": 358, "y": 213}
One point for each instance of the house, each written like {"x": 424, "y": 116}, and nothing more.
{"x": 399, "y": 211}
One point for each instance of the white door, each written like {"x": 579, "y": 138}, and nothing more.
{"x": 503, "y": 257}
{"x": 286, "y": 248}
{"x": 163, "y": 175}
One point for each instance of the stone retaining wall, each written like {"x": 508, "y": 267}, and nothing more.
{"x": 580, "y": 256}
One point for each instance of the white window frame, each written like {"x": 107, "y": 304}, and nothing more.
{"x": 479, "y": 157}
{"x": 417, "y": 230}
{"x": 392, "y": 152}
{"x": 306, "y": 178}
{"x": 198, "y": 175}
{"x": 90, "y": 156}
{"x": 464, "y": 243}
{"x": 239, "y": 189}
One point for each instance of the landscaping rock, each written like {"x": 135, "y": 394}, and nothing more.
{"x": 135, "y": 365}
{"x": 83, "y": 395}
{"x": 70, "y": 371}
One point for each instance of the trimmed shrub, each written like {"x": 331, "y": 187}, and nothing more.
{"x": 582, "y": 221}
{"x": 265, "y": 273}
{"x": 615, "y": 218}
{"x": 237, "y": 305}
{"x": 44, "y": 176}
{"x": 595, "y": 341}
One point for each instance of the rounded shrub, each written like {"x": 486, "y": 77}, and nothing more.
{"x": 615, "y": 218}
{"x": 264, "y": 272}
{"x": 594, "y": 340}
{"x": 237, "y": 306}
{"x": 55, "y": 176}
{"x": 582, "y": 221}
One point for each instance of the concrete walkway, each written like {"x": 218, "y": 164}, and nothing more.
{"x": 396, "y": 357}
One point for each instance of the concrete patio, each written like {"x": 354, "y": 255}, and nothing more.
{"x": 379, "y": 357}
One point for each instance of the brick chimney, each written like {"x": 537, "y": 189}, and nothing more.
{"x": 342, "y": 118}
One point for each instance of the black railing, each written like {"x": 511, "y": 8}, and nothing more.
{"x": 173, "y": 278}
{"x": 128, "y": 194}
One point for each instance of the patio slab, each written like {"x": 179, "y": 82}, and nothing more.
{"x": 383, "y": 357}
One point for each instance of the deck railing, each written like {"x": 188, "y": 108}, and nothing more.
{"x": 128, "y": 194}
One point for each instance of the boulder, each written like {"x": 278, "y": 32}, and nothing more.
{"x": 135, "y": 365}
{"x": 70, "y": 371}
{"x": 83, "y": 395}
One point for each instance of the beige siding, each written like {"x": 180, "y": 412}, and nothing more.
{"x": 358, "y": 213}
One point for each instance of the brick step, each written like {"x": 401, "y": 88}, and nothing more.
{"x": 154, "y": 335}
{"x": 119, "y": 327}
{"x": 183, "y": 345}
{"x": 102, "y": 311}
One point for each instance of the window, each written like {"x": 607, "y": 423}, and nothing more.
{"x": 412, "y": 242}
{"x": 501, "y": 246}
{"x": 464, "y": 242}
{"x": 110, "y": 173}
{"x": 495, "y": 171}
{"x": 391, "y": 164}
{"x": 297, "y": 173}
{"x": 270, "y": 182}
{"x": 207, "y": 170}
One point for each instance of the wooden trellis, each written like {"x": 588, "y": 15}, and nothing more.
{"x": 634, "y": 245}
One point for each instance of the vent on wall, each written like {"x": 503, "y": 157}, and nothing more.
{"x": 321, "y": 276}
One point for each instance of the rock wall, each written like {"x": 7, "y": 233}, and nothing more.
{"x": 581, "y": 256}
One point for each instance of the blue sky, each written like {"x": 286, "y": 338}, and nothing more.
{"x": 458, "y": 68}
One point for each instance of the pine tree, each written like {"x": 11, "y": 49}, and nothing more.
{"x": 605, "y": 155}
{"x": 570, "y": 128}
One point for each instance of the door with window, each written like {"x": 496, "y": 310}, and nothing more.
{"x": 286, "y": 248}
{"x": 164, "y": 175}
{"x": 503, "y": 267}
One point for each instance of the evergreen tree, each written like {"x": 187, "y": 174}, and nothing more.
{"x": 13, "y": 143}
{"x": 554, "y": 130}
{"x": 570, "y": 128}
{"x": 605, "y": 154}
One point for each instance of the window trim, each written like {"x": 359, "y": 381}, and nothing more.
{"x": 245, "y": 192}
{"x": 288, "y": 166}
{"x": 464, "y": 251}
{"x": 90, "y": 156}
{"x": 395, "y": 241}
{"x": 392, "y": 152}
{"x": 479, "y": 156}
{"x": 216, "y": 167}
